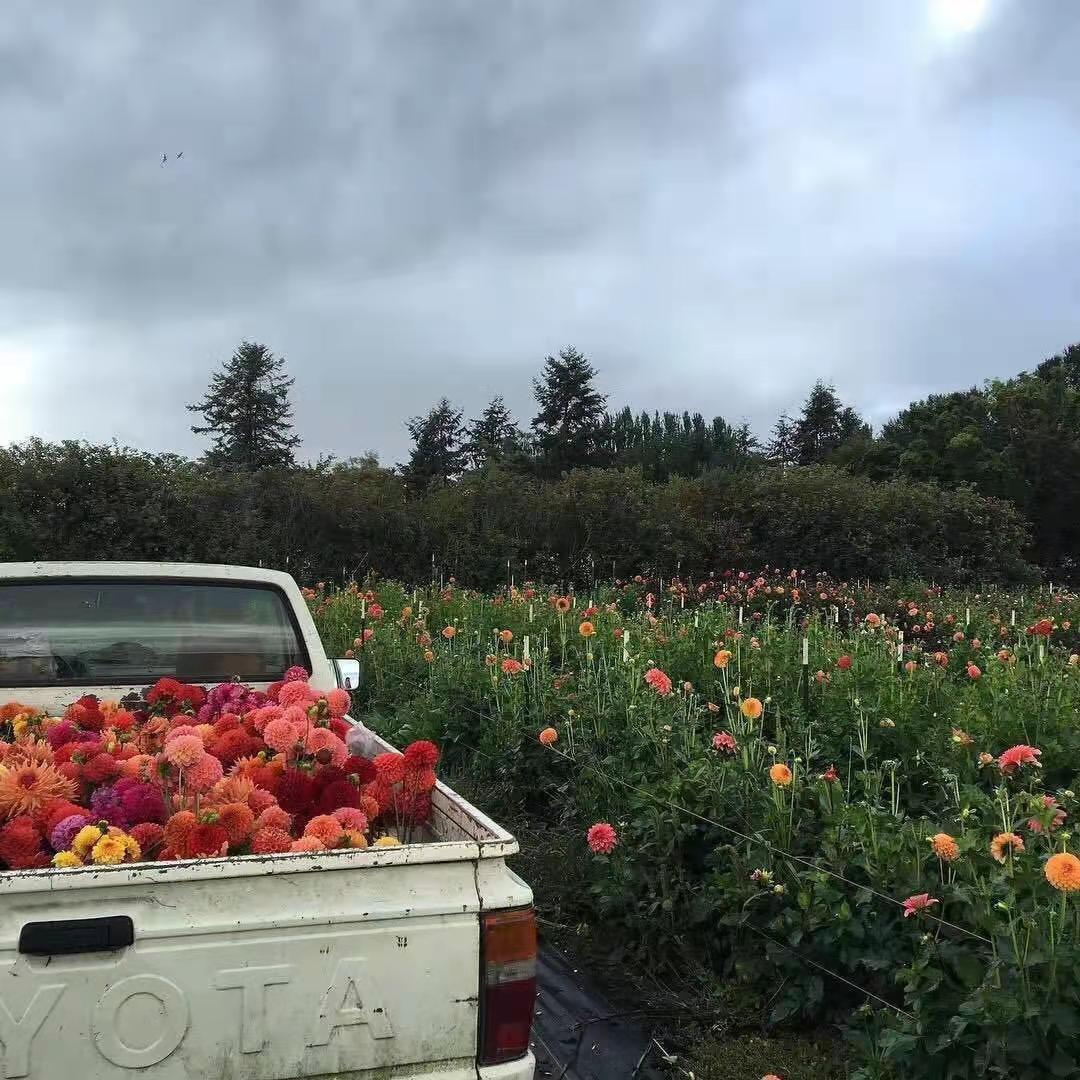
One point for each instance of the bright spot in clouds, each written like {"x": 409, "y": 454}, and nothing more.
{"x": 951, "y": 17}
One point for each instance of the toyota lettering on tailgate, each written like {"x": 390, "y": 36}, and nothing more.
{"x": 351, "y": 999}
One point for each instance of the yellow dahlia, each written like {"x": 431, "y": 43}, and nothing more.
{"x": 108, "y": 851}
{"x": 85, "y": 839}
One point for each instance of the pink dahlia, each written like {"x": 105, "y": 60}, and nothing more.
{"x": 323, "y": 743}
{"x": 351, "y": 818}
{"x": 725, "y": 742}
{"x": 1017, "y": 756}
{"x": 294, "y": 693}
{"x": 280, "y": 734}
{"x": 660, "y": 682}
{"x": 204, "y": 775}
{"x": 602, "y": 838}
{"x": 919, "y": 902}
{"x": 184, "y": 751}
{"x": 338, "y": 701}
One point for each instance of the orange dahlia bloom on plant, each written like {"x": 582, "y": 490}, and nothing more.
{"x": 1063, "y": 871}
{"x": 751, "y": 708}
{"x": 945, "y": 847}
{"x": 506, "y": 636}
{"x": 722, "y": 659}
{"x": 586, "y": 629}
{"x": 449, "y": 632}
{"x": 780, "y": 775}
{"x": 1001, "y": 844}
{"x": 549, "y": 736}
{"x": 562, "y": 604}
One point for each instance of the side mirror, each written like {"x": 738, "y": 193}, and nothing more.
{"x": 348, "y": 673}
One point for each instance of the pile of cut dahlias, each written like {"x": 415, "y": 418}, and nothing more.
{"x": 190, "y": 774}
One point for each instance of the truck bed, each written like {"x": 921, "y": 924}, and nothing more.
{"x": 262, "y": 967}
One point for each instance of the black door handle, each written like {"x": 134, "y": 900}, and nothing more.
{"x": 65, "y": 937}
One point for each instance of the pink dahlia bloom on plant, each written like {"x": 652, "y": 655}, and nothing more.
{"x": 660, "y": 682}
{"x": 1017, "y": 756}
{"x": 722, "y": 740}
{"x": 602, "y": 838}
{"x": 919, "y": 902}
{"x": 1058, "y": 819}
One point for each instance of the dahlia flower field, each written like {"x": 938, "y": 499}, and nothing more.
{"x": 850, "y": 803}
{"x": 194, "y": 774}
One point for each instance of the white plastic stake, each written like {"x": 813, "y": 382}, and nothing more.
{"x": 1013, "y": 621}
{"x": 525, "y": 647}
{"x": 805, "y": 651}
{"x": 740, "y": 615}
{"x": 967, "y": 616}
{"x": 530, "y": 613}
{"x": 626, "y": 646}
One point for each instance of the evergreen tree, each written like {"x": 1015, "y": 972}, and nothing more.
{"x": 781, "y": 449}
{"x": 571, "y": 413}
{"x": 493, "y": 437}
{"x": 825, "y": 425}
{"x": 437, "y": 456}
{"x": 247, "y": 411}
{"x": 747, "y": 447}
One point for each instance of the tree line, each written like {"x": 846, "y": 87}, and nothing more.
{"x": 999, "y": 463}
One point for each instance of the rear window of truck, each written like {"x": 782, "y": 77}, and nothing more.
{"x": 128, "y": 632}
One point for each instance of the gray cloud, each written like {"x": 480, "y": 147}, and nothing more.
{"x": 717, "y": 202}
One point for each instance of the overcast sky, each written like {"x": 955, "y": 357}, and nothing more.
{"x": 717, "y": 202}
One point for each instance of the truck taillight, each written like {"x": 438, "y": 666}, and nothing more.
{"x": 508, "y": 992}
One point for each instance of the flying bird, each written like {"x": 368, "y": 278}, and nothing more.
{"x": 164, "y": 158}
{"x": 180, "y": 155}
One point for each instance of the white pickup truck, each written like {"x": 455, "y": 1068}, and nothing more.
{"x": 416, "y": 961}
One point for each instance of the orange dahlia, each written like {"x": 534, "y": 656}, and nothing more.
{"x": 549, "y": 736}
{"x": 1001, "y": 844}
{"x": 945, "y": 847}
{"x": 780, "y": 774}
{"x": 1063, "y": 871}
{"x": 25, "y": 788}
{"x": 587, "y": 629}
{"x": 751, "y": 708}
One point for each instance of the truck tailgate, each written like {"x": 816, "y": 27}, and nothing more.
{"x": 361, "y": 962}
